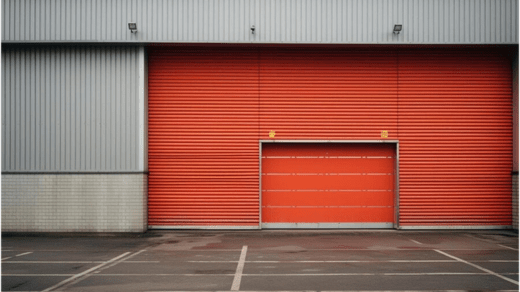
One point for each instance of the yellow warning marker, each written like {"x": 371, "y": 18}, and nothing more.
{"x": 271, "y": 134}
{"x": 384, "y": 134}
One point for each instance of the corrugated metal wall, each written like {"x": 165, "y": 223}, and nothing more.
{"x": 291, "y": 21}
{"x": 69, "y": 108}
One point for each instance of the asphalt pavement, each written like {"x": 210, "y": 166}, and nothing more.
{"x": 276, "y": 260}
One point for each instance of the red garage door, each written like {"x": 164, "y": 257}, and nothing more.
{"x": 450, "y": 110}
{"x": 328, "y": 185}
{"x": 455, "y": 138}
{"x": 203, "y": 138}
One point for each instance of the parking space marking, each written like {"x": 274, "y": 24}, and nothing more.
{"x": 99, "y": 268}
{"x": 6, "y": 258}
{"x": 415, "y": 241}
{"x": 240, "y": 268}
{"x": 22, "y": 254}
{"x": 478, "y": 267}
{"x": 507, "y": 247}
{"x": 66, "y": 281}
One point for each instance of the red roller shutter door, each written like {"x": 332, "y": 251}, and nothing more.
{"x": 449, "y": 109}
{"x": 203, "y": 137}
{"x": 328, "y": 185}
{"x": 455, "y": 133}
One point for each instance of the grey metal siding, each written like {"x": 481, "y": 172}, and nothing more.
{"x": 286, "y": 21}
{"x": 70, "y": 108}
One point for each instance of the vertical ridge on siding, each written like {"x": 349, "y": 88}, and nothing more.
{"x": 5, "y": 89}
{"x": 304, "y": 21}
{"x": 57, "y": 100}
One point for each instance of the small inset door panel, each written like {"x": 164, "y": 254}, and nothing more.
{"x": 328, "y": 185}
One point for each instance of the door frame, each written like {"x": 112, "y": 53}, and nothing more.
{"x": 396, "y": 184}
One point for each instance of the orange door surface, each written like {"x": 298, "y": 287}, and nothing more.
{"x": 455, "y": 138}
{"x": 203, "y": 137}
{"x": 450, "y": 109}
{"x": 328, "y": 185}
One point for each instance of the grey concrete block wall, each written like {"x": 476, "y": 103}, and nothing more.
{"x": 515, "y": 201}
{"x": 74, "y": 202}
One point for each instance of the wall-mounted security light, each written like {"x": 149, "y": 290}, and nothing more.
{"x": 252, "y": 29}
{"x": 398, "y": 28}
{"x": 132, "y": 26}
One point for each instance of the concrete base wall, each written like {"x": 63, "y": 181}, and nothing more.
{"x": 515, "y": 201}
{"x": 74, "y": 202}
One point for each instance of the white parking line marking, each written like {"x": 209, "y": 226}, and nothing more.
{"x": 6, "y": 258}
{"x": 240, "y": 268}
{"x": 84, "y": 273}
{"x": 415, "y": 241}
{"x": 102, "y": 267}
{"x": 478, "y": 267}
{"x": 25, "y": 253}
{"x": 507, "y": 247}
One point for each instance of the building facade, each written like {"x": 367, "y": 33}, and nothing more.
{"x": 259, "y": 114}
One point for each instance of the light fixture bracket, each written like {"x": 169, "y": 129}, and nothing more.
{"x": 132, "y": 26}
{"x": 398, "y": 28}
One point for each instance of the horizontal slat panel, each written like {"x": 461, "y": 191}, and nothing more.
{"x": 335, "y": 165}
{"x": 322, "y": 215}
{"x": 329, "y": 198}
{"x": 328, "y": 150}
{"x": 327, "y": 182}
